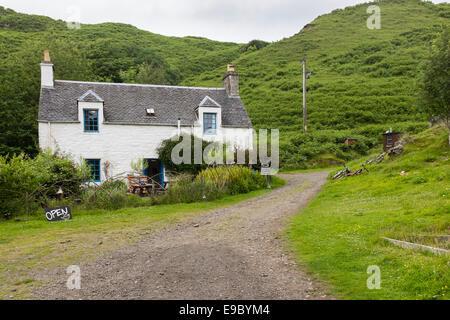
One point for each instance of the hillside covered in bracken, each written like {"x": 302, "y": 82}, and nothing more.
{"x": 362, "y": 83}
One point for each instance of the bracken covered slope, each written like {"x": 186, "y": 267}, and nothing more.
{"x": 362, "y": 82}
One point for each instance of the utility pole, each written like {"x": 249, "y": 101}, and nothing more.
{"x": 305, "y": 127}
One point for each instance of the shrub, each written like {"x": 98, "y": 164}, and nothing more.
{"x": 27, "y": 184}
{"x": 18, "y": 184}
{"x": 236, "y": 179}
{"x": 186, "y": 189}
{"x": 211, "y": 184}
{"x": 109, "y": 195}
{"x": 254, "y": 45}
{"x": 165, "y": 155}
{"x": 61, "y": 172}
{"x": 112, "y": 195}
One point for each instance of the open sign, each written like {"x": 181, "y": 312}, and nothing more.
{"x": 58, "y": 214}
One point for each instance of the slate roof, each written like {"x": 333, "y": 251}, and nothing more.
{"x": 127, "y": 103}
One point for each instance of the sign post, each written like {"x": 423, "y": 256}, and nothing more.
{"x": 265, "y": 171}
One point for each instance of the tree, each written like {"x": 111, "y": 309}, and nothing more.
{"x": 151, "y": 74}
{"x": 20, "y": 88}
{"x": 434, "y": 83}
{"x": 145, "y": 74}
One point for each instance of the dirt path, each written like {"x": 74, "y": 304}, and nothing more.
{"x": 228, "y": 253}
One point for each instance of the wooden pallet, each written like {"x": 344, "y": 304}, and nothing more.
{"x": 143, "y": 185}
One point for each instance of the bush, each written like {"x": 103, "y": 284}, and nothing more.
{"x": 27, "y": 184}
{"x": 186, "y": 189}
{"x": 109, "y": 195}
{"x": 212, "y": 184}
{"x": 61, "y": 172}
{"x": 112, "y": 195}
{"x": 236, "y": 179}
{"x": 165, "y": 155}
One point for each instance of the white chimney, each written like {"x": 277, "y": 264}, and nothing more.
{"x": 47, "y": 79}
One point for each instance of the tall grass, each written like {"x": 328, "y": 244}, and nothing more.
{"x": 213, "y": 183}
{"x": 236, "y": 179}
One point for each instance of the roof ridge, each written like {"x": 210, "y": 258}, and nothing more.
{"x": 139, "y": 85}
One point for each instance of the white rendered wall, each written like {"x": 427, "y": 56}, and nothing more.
{"x": 120, "y": 145}
{"x": 240, "y": 137}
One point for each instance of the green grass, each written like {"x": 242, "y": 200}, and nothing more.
{"x": 339, "y": 234}
{"x": 309, "y": 170}
{"x": 38, "y": 244}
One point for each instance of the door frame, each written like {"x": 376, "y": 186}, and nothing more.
{"x": 161, "y": 169}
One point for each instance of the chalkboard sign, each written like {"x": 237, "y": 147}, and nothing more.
{"x": 58, "y": 214}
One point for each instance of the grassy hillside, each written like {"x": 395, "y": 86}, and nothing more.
{"x": 112, "y": 47}
{"x": 362, "y": 82}
{"x": 339, "y": 234}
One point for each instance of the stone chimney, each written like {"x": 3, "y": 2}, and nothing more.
{"x": 231, "y": 81}
{"x": 47, "y": 71}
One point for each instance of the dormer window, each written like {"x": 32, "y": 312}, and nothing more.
{"x": 150, "y": 112}
{"x": 210, "y": 123}
{"x": 90, "y": 120}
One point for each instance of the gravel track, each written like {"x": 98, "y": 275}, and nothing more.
{"x": 235, "y": 252}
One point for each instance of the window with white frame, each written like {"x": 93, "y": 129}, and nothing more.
{"x": 90, "y": 120}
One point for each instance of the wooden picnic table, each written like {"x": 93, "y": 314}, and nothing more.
{"x": 142, "y": 185}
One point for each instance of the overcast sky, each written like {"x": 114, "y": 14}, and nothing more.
{"x": 224, "y": 20}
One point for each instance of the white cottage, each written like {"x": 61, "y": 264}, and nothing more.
{"x": 114, "y": 124}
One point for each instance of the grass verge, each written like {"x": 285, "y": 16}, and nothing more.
{"x": 338, "y": 236}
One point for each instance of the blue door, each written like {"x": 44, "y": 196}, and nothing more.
{"x": 155, "y": 170}
{"x": 161, "y": 166}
